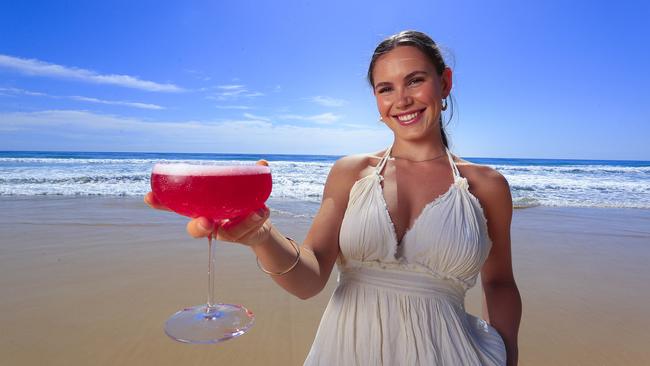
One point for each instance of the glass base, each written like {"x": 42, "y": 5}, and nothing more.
{"x": 199, "y": 324}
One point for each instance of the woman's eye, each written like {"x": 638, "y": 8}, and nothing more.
{"x": 416, "y": 81}
{"x": 384, "y": 89}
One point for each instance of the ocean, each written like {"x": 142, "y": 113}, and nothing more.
{"x": 298, "y": 179}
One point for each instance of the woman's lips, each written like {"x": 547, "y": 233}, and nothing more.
{"x": 407, "y": 119}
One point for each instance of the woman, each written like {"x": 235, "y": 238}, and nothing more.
{"x": 410, "y": 228}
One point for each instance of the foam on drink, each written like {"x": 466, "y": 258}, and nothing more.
{"x": 183, "y": 169}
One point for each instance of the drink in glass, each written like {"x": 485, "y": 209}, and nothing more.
{"x": 217, "y": 193}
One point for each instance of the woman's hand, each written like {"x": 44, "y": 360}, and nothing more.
{"x": 250, "y": 229}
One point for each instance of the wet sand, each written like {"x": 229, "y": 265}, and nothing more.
{"x": 91, "y": 280}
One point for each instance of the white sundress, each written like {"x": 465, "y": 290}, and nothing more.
{"x": 404, "y": 304}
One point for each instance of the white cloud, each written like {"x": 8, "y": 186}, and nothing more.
{"x": 8, "y": 91}
{"x": 116, "y": 102}
{"x": 41, "y": 68}
{"x": 229, "y": 94}
{"x": 242, "y": 107}
{"x": 328, "y": 101}
{"x": 232, "y": 92}
{"x": 324, "y": 118}
{"x": 83, "y": 130}
{"x": 231, "y": 87}
{"x": 354, "y": 125}
{"x": 82, "y": 99}
{"x": 257, "y": 118}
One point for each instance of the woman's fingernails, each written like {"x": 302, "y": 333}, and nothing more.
{"x": 225, "y": 224}
{"x": 202, "y": 225}
{"x": 259, "y": 214}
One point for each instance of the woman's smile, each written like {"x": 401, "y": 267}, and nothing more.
{"x": 409, "y": 118}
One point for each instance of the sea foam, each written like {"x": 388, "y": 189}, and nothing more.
{"x": 302, "y": 178}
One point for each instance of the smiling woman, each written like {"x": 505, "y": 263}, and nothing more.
{"x": 410, "y": 228}
{"x": 434, "y": 67}
{"x": 410, "y": 91}
{"x": 411, "y": 243}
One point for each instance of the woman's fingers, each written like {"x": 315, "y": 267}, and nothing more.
{"x": 200, "y": 227}
{"x": 240, "y": 229}
{"x": 151, "y": 201}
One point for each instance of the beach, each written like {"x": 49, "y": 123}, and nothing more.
{"x": 91, "y": 280}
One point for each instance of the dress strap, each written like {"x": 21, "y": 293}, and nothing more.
{"x": 454, "y": 168}
{"x": 382, "y": 162}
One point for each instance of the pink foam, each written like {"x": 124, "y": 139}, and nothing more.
{"x": 182, "y": 169}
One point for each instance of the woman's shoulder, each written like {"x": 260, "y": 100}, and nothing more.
{"x": 346, "y": 171}
{"x": 482, "y": 174}
{"x": 358, "y": 165}
{"x": 486, "y": 183}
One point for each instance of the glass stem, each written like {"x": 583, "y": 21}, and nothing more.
{"x": 211, "y": 256}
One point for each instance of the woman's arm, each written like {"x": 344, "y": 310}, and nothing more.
{"x": 502, "y": 303}
{"x": 321, "y": 247}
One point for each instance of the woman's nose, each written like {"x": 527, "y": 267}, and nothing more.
{"x": 403, "y": 99}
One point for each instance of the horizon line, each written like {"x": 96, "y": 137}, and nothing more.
{"x": 298, "y": 154}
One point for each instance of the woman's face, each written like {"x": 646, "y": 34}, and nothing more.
{"x": 409, "y": 92}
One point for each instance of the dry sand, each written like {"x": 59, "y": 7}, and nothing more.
{"x": 90, "y": 281}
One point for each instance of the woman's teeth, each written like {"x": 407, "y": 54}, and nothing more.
{"x": 408, "y": 117}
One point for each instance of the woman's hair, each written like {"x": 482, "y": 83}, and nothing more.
{"x": 423, "y": 43}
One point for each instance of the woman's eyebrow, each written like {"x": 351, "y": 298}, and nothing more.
{"x": 415, "y": 73}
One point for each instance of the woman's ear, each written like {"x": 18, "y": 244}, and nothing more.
{"x": 446, "y": 82}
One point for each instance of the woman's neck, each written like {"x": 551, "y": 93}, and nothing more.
{"x": 417, "y": 151}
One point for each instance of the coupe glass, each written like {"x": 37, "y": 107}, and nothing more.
{"x": 216, "y": 192}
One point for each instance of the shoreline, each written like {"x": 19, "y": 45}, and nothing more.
{"x": 91, "y": 280}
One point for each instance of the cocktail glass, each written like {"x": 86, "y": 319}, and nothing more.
{"x": 216, "y": 192}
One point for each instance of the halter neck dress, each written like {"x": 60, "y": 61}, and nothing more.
{"x": 403, "y": 303}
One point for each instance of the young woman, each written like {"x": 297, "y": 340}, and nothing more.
{"x": 410, "y": 229}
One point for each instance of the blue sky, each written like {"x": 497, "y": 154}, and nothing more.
{"x": 543, "y": 79}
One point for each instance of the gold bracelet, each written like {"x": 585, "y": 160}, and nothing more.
{"x": 295, "y": 263}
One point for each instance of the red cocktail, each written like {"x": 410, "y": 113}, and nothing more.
{"x": 217, "y": 193}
